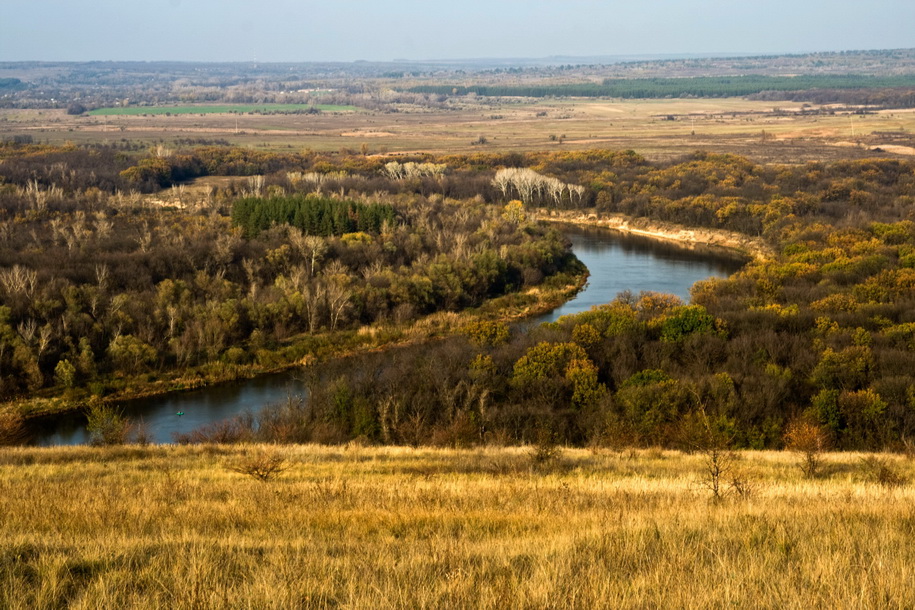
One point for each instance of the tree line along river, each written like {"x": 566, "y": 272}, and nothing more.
{"x": 617, "y": 262}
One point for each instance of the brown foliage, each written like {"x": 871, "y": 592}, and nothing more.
{"x": 809, "y": 440}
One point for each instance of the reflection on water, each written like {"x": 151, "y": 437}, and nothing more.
{"x": 617, "y": 262}
{"x": 159, "y": 414}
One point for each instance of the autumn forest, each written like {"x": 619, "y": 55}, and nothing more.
{"x": 298, "y": 256}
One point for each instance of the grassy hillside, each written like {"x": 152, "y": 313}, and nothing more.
{"x": 491, "y": 528}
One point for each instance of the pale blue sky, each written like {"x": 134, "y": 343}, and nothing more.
{"x": 347, "y": 30}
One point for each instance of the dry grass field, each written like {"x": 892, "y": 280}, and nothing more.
{"x": 763, "y": 131}
{"x": 357, "y": 527}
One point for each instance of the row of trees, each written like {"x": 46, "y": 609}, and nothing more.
{"x": 313, "y": 215}
{"x": 531, "y": 187}
{"x": 695, "y": 86}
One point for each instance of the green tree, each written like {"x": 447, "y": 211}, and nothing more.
{"x": 685, "y": 321}
{"x": 130, "y": 354}
{"x": 106, "y": 425}
{"x": 487, "y": 333}
{"x": 847, "y": 369}
{"x": 65, "y": 373}
{"x": 546, "y": 360}
{"x": 513, "y": 212}
{"x": 652, "y": 403}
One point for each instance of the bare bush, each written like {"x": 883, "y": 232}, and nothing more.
{"x": 545, "y": 451}
{"x": 238, "y": 429}
{"x": 880, "y": 471}
{"x": 721, "y": 473}
{"x": 262, "y": 466}
{"x": 106, "y": 425}
{"x": 717, "y": 464}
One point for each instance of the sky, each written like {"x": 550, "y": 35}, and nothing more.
{"x": 375, "y": 30}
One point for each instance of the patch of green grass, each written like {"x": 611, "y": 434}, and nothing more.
{"x": 219, "y": 109}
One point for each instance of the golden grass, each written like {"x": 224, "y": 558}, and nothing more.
{"x": 390, "y": 527}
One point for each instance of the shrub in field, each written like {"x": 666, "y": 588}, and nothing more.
{"x": 545, "y": 451}
{"x": 881, "y": 471}
{"x": 263, "y": 466}
{"x": 721, "y": 475}
{"x": 810, "y": 441}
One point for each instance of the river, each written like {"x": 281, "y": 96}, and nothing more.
{"x": 616, "y": 262}
{"x": 620, "y": 261}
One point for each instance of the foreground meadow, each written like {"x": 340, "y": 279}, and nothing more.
{"x": 356, "y": 527}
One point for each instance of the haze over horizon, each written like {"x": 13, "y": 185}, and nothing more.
{"x": 349, "y": 30}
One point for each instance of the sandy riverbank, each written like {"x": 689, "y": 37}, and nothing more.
{"x": 753, "y": 247}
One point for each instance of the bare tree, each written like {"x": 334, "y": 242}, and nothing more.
{"x": 27, "y": 330}
{"x": 338, "y": 302}
{"x": 19, "y": 280}
{"x": 530, "y": 186}
{"x": 394, "y": 170}
{"x": 314, "y": 248}
{"x": 102, "y": 226}
{"x": 144, "y": 240}
{"x": 314, "y": 297}
{"x": 45, "y": 335}
{"x": 503, "y": 181}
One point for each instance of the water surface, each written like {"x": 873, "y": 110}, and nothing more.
{"x": 618, "y": 262}
{"x": 160, "y": 414}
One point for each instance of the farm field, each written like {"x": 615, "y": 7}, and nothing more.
{"x": 361, "y": 527}
{"x": 658, "y": 129}
{"x": 220, "y": 109}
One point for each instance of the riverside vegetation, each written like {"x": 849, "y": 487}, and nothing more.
{"x": 808, "y": 348}
{"x": 821, "y": 331}
{"x": 107, "y": 294}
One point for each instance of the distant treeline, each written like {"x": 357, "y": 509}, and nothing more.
{"x": 699, "y": 86}
{"x": 11, "y": 84}
{"x": 898, "y": 97}
{"x": 312, "y": 214}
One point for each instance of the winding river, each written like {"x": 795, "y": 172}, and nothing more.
{"x": 616, "y": 261}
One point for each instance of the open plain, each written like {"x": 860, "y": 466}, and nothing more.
{"x": 659, "y": 129}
